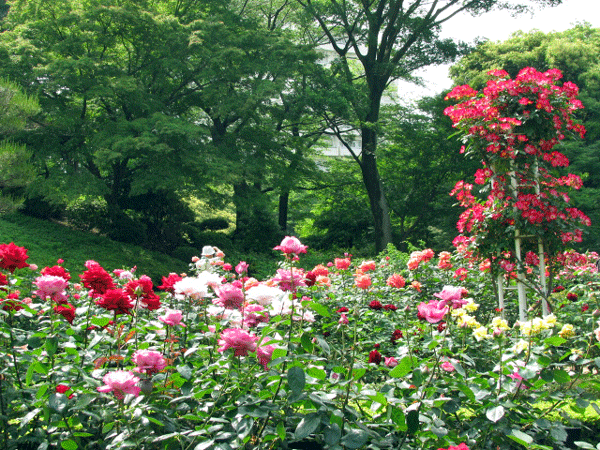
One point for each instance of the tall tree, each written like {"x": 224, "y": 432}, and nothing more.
{"x": 16, "y": 170}
{"x": 390, "y": 40}
{"x": 576, "y": 53}
{"x": 112, "y": 80}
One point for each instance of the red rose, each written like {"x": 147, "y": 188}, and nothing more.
{"x": 375, "y": 305}
{"x": 67, "y": 311}
{"x": 169, "y": 282}
{"x": 97, "y": 279}
{"x": 56, "y": 271}
{"x": 115, "y": 300}
{"x": 375, "y": 357}
{"x": 62, "y": 388}
{"x": 13, "y": 257}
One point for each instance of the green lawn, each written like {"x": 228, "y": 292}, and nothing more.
{"x": 46, "y": 242}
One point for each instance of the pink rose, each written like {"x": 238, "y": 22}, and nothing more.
{"x": 240, "y": 340}
{"x": 452, "y": 295}
{"x": 120, "y": 382}
{"x": 242, "y": 267}
{"x": 390, "y": 362}
{"x": 229, "y": 297}
{"x": 172, "y": 317}
{"x": 264, "y": 353}
{"x": 149, "y": 361}
{"x": 447, "y": 366}
{"x": 291, "y": 245}
{"x": 433, "y": 311}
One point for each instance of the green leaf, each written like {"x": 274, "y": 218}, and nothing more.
{"x": 307, "y": 425}
{"x": 357, "y": 374}
{"x": 332, "y": 434}
{"x": 185, "y": 371}
{"x": 544, "y": 360}
{"x": 323, "y": 344}
{"x": 319, "y": 309}
{"x": 205, "y": 445}
{"x": 355, "y": 439}
{"x": 520, "y": 437}
{"x": 57, "y": 402}
{"x": 412, "y": 421}
{"x": 29, "y": 417}
{"x": 561, "y": 376}
{"x": 281, "y": 430}
{"x": 495, "y": 414}
{"x": 306, "y": 341}
{"x": 555, "y": 341}
{"x": 398, "y": 417}
{"x": 317, "y": 373}
{"x": 403, "y": 368}
{"x": 296, "y": 379}
{"x": 69, "y": 444}
{"x": 100, "y": 321}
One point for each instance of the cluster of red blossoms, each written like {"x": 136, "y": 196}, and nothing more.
{"x": 525, "y": 192}
{"x": 119, "y": 300}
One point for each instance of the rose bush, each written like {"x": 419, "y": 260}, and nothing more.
{"x": 417, "y": 357}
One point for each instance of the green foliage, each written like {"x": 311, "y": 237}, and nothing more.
{"x": 382, "y": 380}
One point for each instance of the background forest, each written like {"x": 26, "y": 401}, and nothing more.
{"x": 175, "y": 124}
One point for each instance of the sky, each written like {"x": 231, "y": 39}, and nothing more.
{"x": 499, "y": 25}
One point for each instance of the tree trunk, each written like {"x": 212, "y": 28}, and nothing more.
{"x": 370, "y": 174}
{"x": 284, "y": 199}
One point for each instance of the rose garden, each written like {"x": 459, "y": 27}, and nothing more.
{"x": 494, "y": 345}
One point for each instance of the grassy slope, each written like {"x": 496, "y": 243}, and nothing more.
{"x": 46, "y": 242}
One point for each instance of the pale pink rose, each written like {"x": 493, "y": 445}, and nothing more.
{"x": 452, "y": 296}
{"x": 149, "y": 361}
{"x": 597, "y": 333}
{"x": 229, "y": 297}
{"x": 50, "y": 286}
{"x": 447, "y": 366}
{"x": 291, "y": 245}
{"x": 240, "y": 340}
{"x": 120, "y": 382}
{"x": 263, "y": 294}
{"x": 390, "y": 361}
{"x": 172, "y": 317}
{"x": 433, "y": 311}
{"x": 343, "y": 320}
{"x": 192, "y": 287}
{"x": 286, "y": 282}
